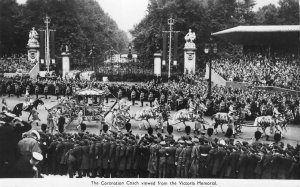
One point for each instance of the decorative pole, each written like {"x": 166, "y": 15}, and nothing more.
{"x": 47, "y": 21}
{"x": 171, "y": 22}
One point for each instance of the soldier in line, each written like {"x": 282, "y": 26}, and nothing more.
{"x": 142, "y": 98}
{"x": 37, "y": 89}
{"x": 46, "y": 90}
{"x": 57, "y": 90}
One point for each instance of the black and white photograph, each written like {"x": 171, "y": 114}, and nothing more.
{"x": 149, "y": 92}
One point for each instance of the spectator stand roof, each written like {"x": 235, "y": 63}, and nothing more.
{"x": 271, "y": 35}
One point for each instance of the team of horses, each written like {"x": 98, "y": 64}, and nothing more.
{"x": 235, "y": 120}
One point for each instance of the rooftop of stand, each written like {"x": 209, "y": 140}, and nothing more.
{"x": 261, "y": 35}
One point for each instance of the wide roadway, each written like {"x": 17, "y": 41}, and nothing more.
{"x": 291, "y": 137}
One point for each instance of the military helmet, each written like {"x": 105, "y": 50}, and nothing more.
{"x": 105, "y": 128}
{"x": 170, "y": 129}
{"x": 128, "y": 126}
{"x": 188, "y": 129}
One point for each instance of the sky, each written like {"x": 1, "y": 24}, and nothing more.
{"x": 128, "y": 13}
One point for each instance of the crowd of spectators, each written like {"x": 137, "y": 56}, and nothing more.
{"x": 155, "y": 155}
{"x": 13, "y": 65}
{"x": 281, "y": 71}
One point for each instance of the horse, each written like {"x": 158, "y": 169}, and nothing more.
{"x": 185, "y": 115}
{"x": 288, "y": 117}
{"x": 241, "y": 116}
{"x": 17, "y": 110}
{"x": 220, "y": 118}
{"x": 266, "y": 121}
{"x": 145, "y": 113}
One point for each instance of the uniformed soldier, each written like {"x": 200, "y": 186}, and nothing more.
{"x": 8, "y": 89}
{"x": 142, "y": 98}
{"x": 187, "y": 136}
{"x": 122, "y": 159}
{"x": 98, "y": 154}
{"x": 92, "y": 158}
{"x": 46, "y": 90}
{"x": 37, "y": 89}
{"x": 151, "y": 98}
{"x": 68, "y": 90}
{"x": 153, "y": 160}
{"x": 129, "y": 158}
{"x": 133, "y": 96}
{"x": 169, "y": 136}
{"x": 204, "y": 152}
{"x": 162, "y": 98}
{"x": 170, "y": 100}
{"x": 187, "y": 159}
{"x": 17, "y": 90}
{"x": 28, "y": 89}
{"x": 195, "y": 159}
{"x": 162, "y": 154}
{"x": 105, "y": 158}
{"x": 112, "y": 158}
{"x": 120, "y": 94}
{"x": 107, "y": 92}
{"x": 170, "y": 160}
{"x": 57, "y": 90}
{"x": 179, "y": 158}
{"x": 79, "y": 118}
{"x": 117, "y": 157}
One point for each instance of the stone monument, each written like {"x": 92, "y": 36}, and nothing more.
{"x": 190, "y": 53}
{"x": 157, "y": 64}
{"x": 33, "y": 46}
{"x": 65, "y": 61}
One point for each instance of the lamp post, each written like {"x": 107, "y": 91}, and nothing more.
{"x": 210, "y": 48}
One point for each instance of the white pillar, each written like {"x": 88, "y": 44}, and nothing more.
{"x": 65, "y": 63}
{"x": 189, "y": 59}
{"x": 157, "y": 64}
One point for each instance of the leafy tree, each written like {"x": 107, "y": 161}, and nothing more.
{"x": 79, "y": 23}
{"x": 288, "y": 12}
{"x": 267, "y": 15}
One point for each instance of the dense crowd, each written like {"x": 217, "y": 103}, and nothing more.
{"x": 258, "y": 70}
{"x": 13, "y": 65}
{"x": 124, "y": 154}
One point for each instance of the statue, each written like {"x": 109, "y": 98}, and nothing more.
{"x": 33, "y": 36}
{"x": 190, "y": 36}
{"x": 67, "y": 48}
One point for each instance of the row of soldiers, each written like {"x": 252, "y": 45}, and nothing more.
{"x": 39, "y": 88}
{"x": 116, "y": 154}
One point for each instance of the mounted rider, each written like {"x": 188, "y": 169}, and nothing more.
{"x": 28, "y": 101}
{"x": 276, "y": 114}
{"x": 156, "y": 105}
{"x": 192, "y": 108}
{"x": 120, "y": 94}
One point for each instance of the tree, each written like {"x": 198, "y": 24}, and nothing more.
{"x": 288, "y": 12}
{"x": 267, "y": 15}
{"x": 79, "y": 23}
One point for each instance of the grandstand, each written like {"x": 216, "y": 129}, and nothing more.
{"x": 270, "y": 56}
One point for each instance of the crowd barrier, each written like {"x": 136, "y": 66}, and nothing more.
{"x": 34, "y": 71}
{"x": 11, "y": 74}
{"x": 215, "y": 77}
{"x": 274, "y": 88}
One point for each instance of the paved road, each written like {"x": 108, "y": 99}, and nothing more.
{"x": 291, "y": 137}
